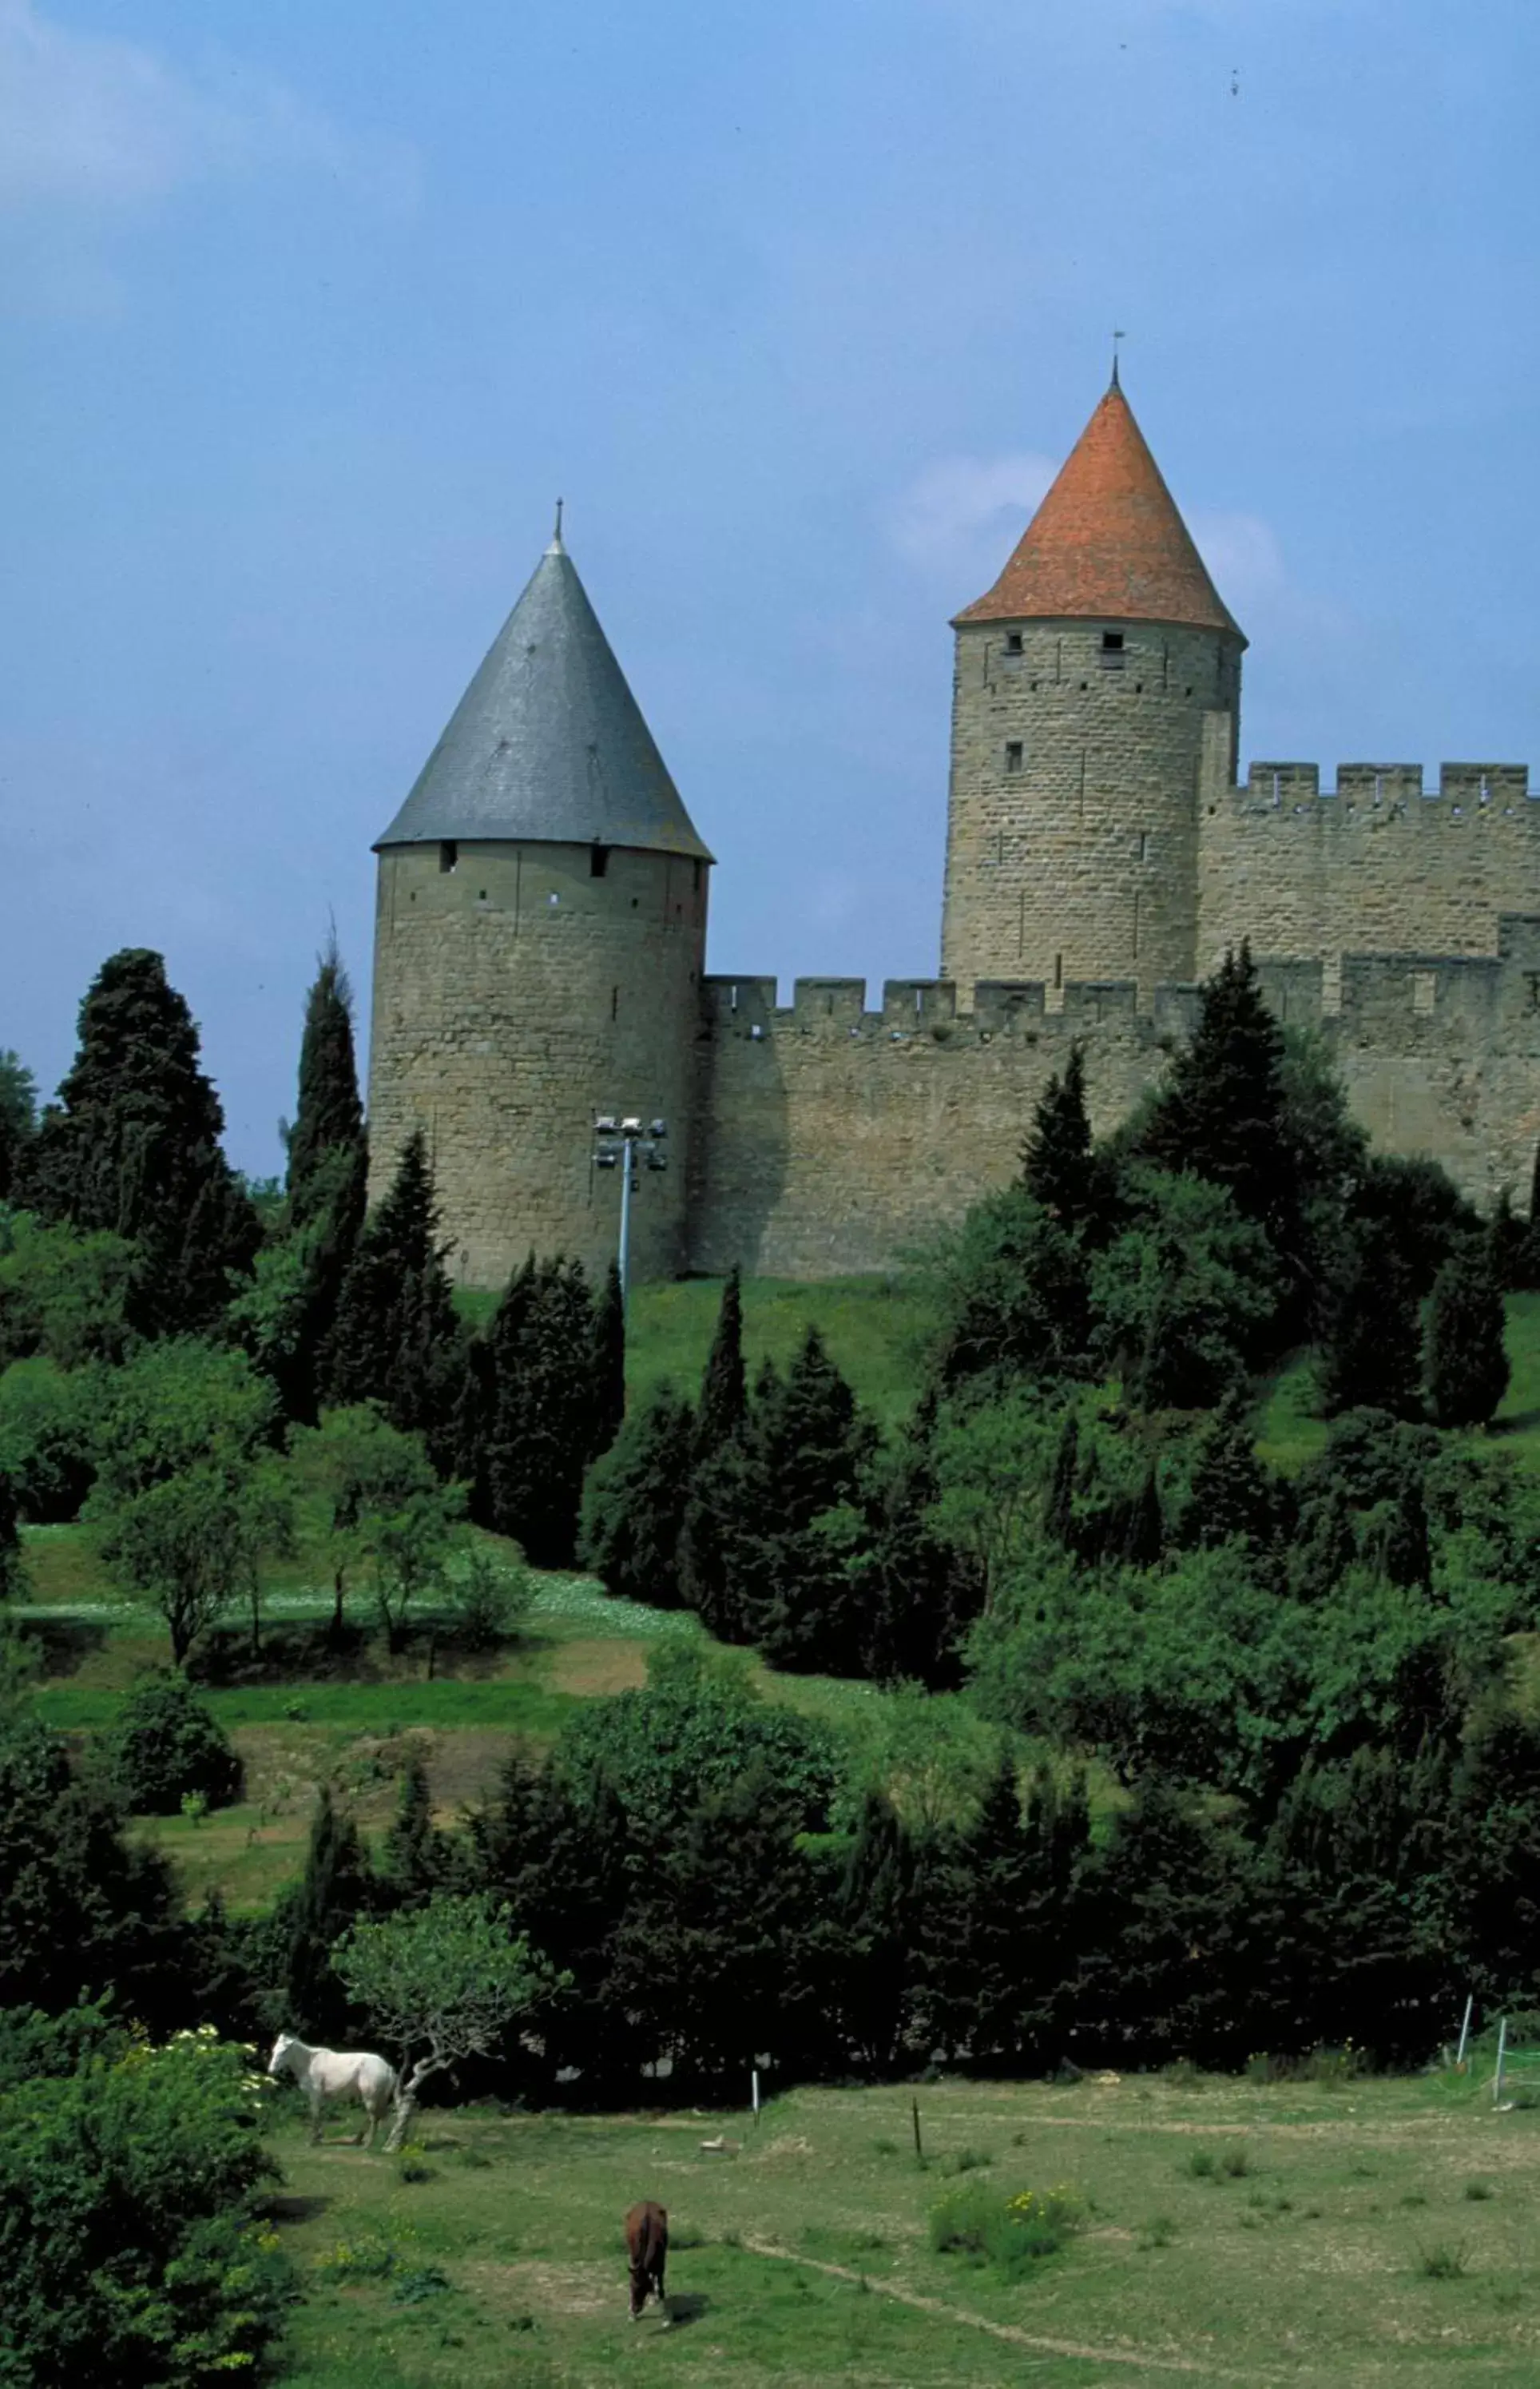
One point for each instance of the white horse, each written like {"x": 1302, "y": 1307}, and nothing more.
{"x": 325, "y": 2073}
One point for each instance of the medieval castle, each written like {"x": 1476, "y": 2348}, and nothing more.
{"x": 540, "y": 945}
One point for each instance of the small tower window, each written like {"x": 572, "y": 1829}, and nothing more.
{"x": 598, "y": 861}
{"x": 449, "y": 854}
{"x": 1112, "y": 650}
{"x": 1013, "y": 642}
{"x": 1013, "y": 754}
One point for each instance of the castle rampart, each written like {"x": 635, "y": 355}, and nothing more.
{"x": 833, "y": 1138}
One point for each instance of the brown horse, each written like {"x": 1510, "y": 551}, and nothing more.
{"x": 647, "y": 2246}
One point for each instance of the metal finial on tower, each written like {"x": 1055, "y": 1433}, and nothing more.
{"x": 1116, "y": 336}
{"x": 555, "y": 547}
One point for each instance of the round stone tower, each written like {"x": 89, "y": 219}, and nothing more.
{"x": 539, "y": 941}
{"x": 1081, "y": 683}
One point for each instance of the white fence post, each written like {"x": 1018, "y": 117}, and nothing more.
{"x": 1502, "y": 2047}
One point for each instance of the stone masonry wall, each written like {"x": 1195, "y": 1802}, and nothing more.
{"x": 833, "y": 1140}
{"x": 1374, "y": 866}
{"x": 516, "y": 994}
{"x": 1072, "y": 849}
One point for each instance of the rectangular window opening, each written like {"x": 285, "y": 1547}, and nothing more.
{"x": 1057, "y": 970}
{"x": 598, "y": 861}
{"x": 1013, "y": 642}
{"x": 1111, "y": 643}
{"x": 449, "y": 854}
{"x": 1013, "y": 754}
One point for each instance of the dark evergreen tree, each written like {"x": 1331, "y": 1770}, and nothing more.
{"x": 798, "y": 1542}
{"x": 330, "y": 1117}
{"x": 921, "y": 1592}
{"x": 1371, "y": 1355}
{"x": 396, "y": 1340}
{"x": 1491, "y": 1856}
{"x": 414, "y": 1856}
{"x": 1143, "y": 1536}
{"x": 1057, "y": 1163}
{"x": 725, "y": 1501}
{"x": 12, "y": 1572}
{"x": 337, "y": 1887}
{"x": 18, "y": 1116}
{"x": 132, "y": 1145}
{"x": 1221, "y": 1112}
{"x": 1059, "y": 1505}
{"x": 609, "y": 1382}
{"x": 1232, "y": 1498}
{"x": 1014, "y": 1296}
{"x": 1411, "y": 1206}
{"x": 874, "y": 1926}
{"x": 541, "y": 1430}
{"x": 635, "y": 1501}
{"x": 724, "y": 1390}
{"x": 1168, "y": 1899}
{"x": 1467, "y": 1357}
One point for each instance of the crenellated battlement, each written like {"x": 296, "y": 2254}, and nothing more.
{"x": 1498, "y": 789}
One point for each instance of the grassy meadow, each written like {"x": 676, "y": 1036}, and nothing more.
{"x": 1313, "y": 2234}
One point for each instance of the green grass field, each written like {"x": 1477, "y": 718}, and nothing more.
{"x": 1237, "y": 2234}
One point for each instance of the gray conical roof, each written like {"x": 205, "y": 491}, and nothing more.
{"x": 548, "y": 741}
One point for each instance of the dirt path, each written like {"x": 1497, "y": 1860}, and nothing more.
{"x": 1006, "y": 2330}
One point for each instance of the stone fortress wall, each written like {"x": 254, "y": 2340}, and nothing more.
{"x": 833, "y": 1140}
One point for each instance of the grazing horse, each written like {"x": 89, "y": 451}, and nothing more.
{"x": 647, "y": 2246}
{"x": 325, "y": 2073}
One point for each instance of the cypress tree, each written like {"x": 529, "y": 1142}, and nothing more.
{"x": 808, "y": 1448}
{"x": 923, "y": 1593}
{"x": 1231, "y": 1498}
{"x": 396, "y": 1340}
{"x": 12, "y": 1569}
{"x": 18, "y": 1115}
{"x": 413, "y": 1846}
{"x": 636, "y": 1500}
{"x": 132, "y": 1145}
{"x": 610, "y": 1362}
{"x": 1144, "y": 1525}
{"x": 1056, "y": 1157}
{"x": 874, "y": 1913}
{"x": 337, "y": 1887}
{"x": 724, "y": 1390}
{"x": 541, "y": 1426}
{"x": 1221, "y": 1113}
{"x": 1467, "y": 1357}
{"x": 330, "y": 1116}
{"x": 1059, "y": 1507}
{"x": 1371, "y": 1355}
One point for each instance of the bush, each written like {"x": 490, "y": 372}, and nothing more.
{"x": 1007, "y": 2233}
{"x": 166, "y": 1745}
{"x": 130, "y": 2250}
{"x": 48, "y": 1428}
{"x": 492, "y": 1596}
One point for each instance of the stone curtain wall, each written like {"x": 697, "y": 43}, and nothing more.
{"x": 835, "y": 1141}
{"x": 515, "y": 995}
{"x": 1072, "y": 849}
{"x": 1373, "y": 866}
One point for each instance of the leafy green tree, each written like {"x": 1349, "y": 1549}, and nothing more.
{"x": 1466, "y": 1356}
{"x": 724, "y": 1388}
{"x": 133, "y": 1146}
{"x": 339, "y": 1886}
{"x": 1371, "y": 1351}
{"x": 1058, "y": 1168}
{"x": 542, "y": 1427}
{"x": 64, "y": 1294}
{"x": 396, "y": 1340}
{"x": 1182, "y": 1298}
{"x": 441, "y": 1983}
{"x": 635, "y": 1501}
{"x": 174, "y": 1406}
{"x": 49, "y": 1429}
{"x": 18, "y": 1115}
{"x": 1411, "y": 1206}
{"x": 608, "y": 1394}
{"x": 358, "y": 1470}
{"x": 131, "y": 2245}
{"x": 165, "y": 1743}
{"x": 193, "y": 1543}
{"x": 1013, "y": 1289}
{"x": 410, "y": 1552}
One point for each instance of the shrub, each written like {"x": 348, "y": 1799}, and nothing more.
{"x": 48, "y": 1424}
{"x": 1008, "y": 2234}
{"x": 1201, "y": 2164}
{"x": 130, "y": 2249}
{"x": 966, "y": 2161}
{"x": 1236, "y": 2160}
{"x": 491, "y": 1598}
{"x": 166, "y": 1745}
{"x": 1441, "y": 2263}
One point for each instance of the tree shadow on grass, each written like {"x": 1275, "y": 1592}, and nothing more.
{"x": 285, "y": 2206}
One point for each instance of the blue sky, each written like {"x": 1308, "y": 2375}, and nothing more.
{"x": 309, "y": 308}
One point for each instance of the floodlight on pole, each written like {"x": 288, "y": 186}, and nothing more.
{"x": 621, "y": 1143}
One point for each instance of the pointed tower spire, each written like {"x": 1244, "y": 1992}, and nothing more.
{"x": 1107, "y": 543}
{"x": 548, "y": 742}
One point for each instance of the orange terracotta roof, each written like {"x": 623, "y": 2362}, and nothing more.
{"x": 1107, "y": 542}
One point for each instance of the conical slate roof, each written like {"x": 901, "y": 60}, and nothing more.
{"x": 548, "y": 741}
{"x": 1107, "y": 542}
